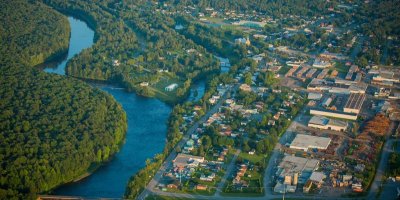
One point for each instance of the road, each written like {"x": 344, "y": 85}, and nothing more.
{"x": 156, "y": 179}
{"x": 380, "y": 171}
{"x": 228, "y": 172}
{"x": 357, "y": 48}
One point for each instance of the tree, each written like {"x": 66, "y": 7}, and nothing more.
{"x": 248, "y": 78}
{"x": 260, "y": 147}
{"x": 246, "y": 147}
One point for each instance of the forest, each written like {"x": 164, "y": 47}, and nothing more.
{"x": 380, "y": 22}
{"x": 270, "y": 7}
{"x": 53, "y": 129}
{"x": 141, "y": 41}
{"x": 31, "y": 36}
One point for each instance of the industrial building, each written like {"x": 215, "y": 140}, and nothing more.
{"x": 325, "y": 123}
{"x": 314, "y": 96}
{"x": 305, "y": 142}
{"x": 354, "y": 103}
{"x": 339, "y": 86}
{"x": 332, "y": 113}
{"x": 185, "y": 160}
{"x": 322, "y": 63}
{"x": 386, "y": 78}
{"x": 293, "y": 170}
{"x": 323, "y": 73}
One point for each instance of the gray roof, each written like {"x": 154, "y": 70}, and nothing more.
{"x": 319, "y": 120}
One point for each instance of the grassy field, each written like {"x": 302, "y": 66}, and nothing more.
{"x": 252, "y": 158}
{"x": 284, "y": 69}
{"x": 194, "y": 192}
{"x": 159, "y": 89}
{"x": 158, "y": 197}
{"x": 233, "y": 194}
{"x": 341, "y": 67}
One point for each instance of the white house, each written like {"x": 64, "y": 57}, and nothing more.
{"x": 171, "y": 87}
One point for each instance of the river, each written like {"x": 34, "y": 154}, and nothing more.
{"x": 145, "y": 137}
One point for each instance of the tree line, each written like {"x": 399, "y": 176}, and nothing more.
{"x": 53, "y": 129}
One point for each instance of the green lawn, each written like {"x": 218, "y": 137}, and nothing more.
{"x": 252, "y": 158}
{"x": 159, "y": 89}
{"x": 215, "y": 20}
{"x": 158, "y": 197}
{"x": 185, "y": 190}
{"x": 341, "y": 67}
{"x": 284, "y": 69}
{"x": 237, "y": 194}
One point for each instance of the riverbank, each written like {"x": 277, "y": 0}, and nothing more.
{"x": 145, "y": 136}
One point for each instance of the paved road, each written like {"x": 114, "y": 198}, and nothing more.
{"x": 269, "y": 172}
{"x": 273, "y": 161}
{"x": 156, "y": 179}
{"x": 378, "y": 180}
{"x": 357, "y": 48}
{"x": 228, "y": 172}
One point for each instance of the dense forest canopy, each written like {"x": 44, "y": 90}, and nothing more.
{"x": 53, "y": 129}
{"x": 269, "y": 7}
{"x": 141, "y": 40}
{"x": 380, "y": 22}
{"x": 28, "y": 30}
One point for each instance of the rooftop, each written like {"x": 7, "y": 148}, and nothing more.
{"x": 323, "y": 121}
{"x": 302, "y": 141}
{"x": 185, "y": 159}
{"x": 317, "y": 176}
{"x": 355, "y": 101}
{"x": 292, "y": 164}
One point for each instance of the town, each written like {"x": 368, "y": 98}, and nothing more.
{"x": 200, "y": 99}
{"x": 298, "y": 120}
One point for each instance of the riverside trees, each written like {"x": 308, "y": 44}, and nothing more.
{"x": 53, "y": 129}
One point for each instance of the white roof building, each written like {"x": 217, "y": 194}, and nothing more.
{"x": 185, "y": 160}
{"x": 305, "y": 142}
{"x": 317, "y": 177}
{"x": 171, "y": 87}
{"x": 314, "y": 96}
{"x": 325, "y": 123}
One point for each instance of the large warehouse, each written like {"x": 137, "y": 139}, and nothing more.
{"x": 354, "y": 103}
{"x": 305, "y": 142}
{"x": 325, "y": 123}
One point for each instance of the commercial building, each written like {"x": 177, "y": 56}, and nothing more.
{"x": 332, "y": 113}
{"x": 321, "y": 63}
{"x": 314, "y": 96}
{"x": 186, "y": 160}
{"x": 352, "y": 70}
{"x": 311, "y": 73}
{"x": 325, "y": 123}
{"x": 291, "y": 170}
{"x": 323, "y": 73}
{"x": 339, "y": 86}
{"x": 303, "y": 70}
{"x": 386, "y": 78}
{"x": 305, "y": 142}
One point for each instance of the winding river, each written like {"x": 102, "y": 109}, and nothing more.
{"x": 147, "y": 118}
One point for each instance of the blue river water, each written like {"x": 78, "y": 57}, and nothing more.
{"x": 145, "y": 137}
